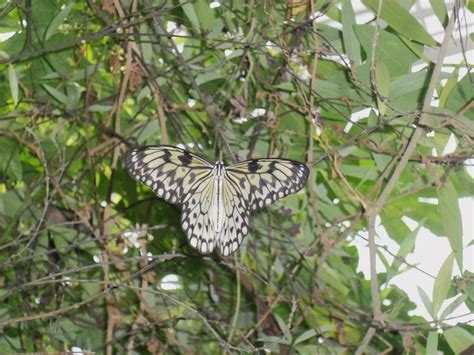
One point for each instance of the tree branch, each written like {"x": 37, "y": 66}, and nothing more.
{"x": 375, "y": 208}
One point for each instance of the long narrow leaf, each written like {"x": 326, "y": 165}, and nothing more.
{"x": 450, "y": 214}
{"x": 13, "y": 80}
{"x": 442, "y": 283}
{"x": 54, "y": 25}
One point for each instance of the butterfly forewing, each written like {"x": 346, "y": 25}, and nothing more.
{"x": 169, "y": 171}
{"x": 263, "y": 181}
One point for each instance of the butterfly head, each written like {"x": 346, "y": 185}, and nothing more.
{"x": 219, "y": 168}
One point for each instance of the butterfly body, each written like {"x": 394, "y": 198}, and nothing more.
{"x": 216, "y": 200}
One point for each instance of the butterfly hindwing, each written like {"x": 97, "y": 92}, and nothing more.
{"x": 263, "y": 181}
{"x": 196, "y": 216}
{"x": 199, "y": 219}
{"x": 236, "y": 222}
{"x": 169, "y": 171}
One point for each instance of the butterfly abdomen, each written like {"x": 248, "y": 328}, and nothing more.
{"x": 218, "y": 200}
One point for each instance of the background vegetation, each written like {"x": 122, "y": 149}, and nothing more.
{"x": 91, "y": 260}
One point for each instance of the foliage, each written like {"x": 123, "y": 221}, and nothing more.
{"x": 90, "y": 259}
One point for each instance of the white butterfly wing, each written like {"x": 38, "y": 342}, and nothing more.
{"x": 199, "y": 222}
{"x": 263, "y": 181}
{"x": 179, "y": 177}
{"x": 198, "y": 209}
{"x": 170, "y": 172}
{"x": 236, "y": 221}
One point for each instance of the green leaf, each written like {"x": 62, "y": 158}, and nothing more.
{"x": 381, "y": 160}
{"x": 450, "y": 216}
{"x": 460, "y": 96}
{"x": 442, "y": 284}
{"x": 383, "y": 259}
{"x": 73, "y": 91}
{"x": 390, "y": 49}
{"x": 209, "y": 76}
{"x": 448, "y": 87}
{"x": 410, "y": 83}
{"x": 201, "y": 16}
{"x": 99, "y": 108}
{"x": 406, "y": 247}
{"x": 309, "y": 349}
{"x": 281, "y": 323}
{"x": 351, "y": 44}
{"x": 470, "y": 6}
{"x": 390, "y": 217}
{"x": 432, "y": 343}
{"x": 332, "y": 278}
{"x": 439, "y": 8}
{"x": 382, "y": 80}
{"x": 346, "y": 151}
{"x": 409, "y": 243}
{"x": 361, "y": 172}
{"x": 331, "y": 11}
{"x": 9, "y": 203}
{"x": 453, "y": 306}
{"x": 60, "y": 17}
{"x": 286, "y": 86}
{"x": 10, "y": 162}
{"x": 236, "y": 54}
{"x": 146, "y": 47}
{"x": 416, "y": 49}
{"x": 372, "y": 119}
{"x": 13, "y": 80}
{"x": 62, "y": 235}
{"x": 459, "y": 339}
{"x": 305, "y": 336}
{"x": 43, "y": 13}
{"x": 190, "y": 13}
{"x": 401, "y": 20}
{"x": 425, "y": 299}
{"x": 58, "y": 95}
{"x": 206, "y": 16}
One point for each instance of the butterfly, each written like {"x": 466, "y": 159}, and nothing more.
{"x": 216, "y": 199}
